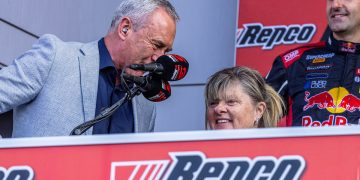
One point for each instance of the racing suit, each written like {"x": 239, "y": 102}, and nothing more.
{"x": 320, "y": 83}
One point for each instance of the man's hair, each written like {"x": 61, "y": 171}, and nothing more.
{"x": 139, "y": 10}
{"x": 253, "y": 84}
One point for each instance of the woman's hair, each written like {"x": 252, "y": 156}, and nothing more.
{"x": 138, "y": 11}
{"x": 253, "y": 84}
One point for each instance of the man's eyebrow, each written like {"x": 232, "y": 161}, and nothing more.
{"x": 158, "y": 43}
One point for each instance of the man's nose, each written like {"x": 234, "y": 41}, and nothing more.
{"x": 157, "y": 54}
{"x": 336, "y": 3}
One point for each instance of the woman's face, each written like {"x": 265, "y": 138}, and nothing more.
{"x": 233, "y": 110}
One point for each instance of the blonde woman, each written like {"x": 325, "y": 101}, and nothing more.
{"x": 238, "y": 97}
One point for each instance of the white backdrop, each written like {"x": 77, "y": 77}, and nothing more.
{"x": 205, "y": 37}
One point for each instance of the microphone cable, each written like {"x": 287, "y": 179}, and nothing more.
{"x": 80, "y": 129}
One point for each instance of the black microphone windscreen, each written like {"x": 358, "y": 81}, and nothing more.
{"x": 159, "y": 90}
{"x": 175, "y": 66}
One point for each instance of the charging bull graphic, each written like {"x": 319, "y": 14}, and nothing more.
{"x": 350, "y": 103}
{"x": 322, "y": 100}
{"x": 338, "y": 100}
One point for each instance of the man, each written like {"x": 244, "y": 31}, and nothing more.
{"x": 321, "y": 82}
{"x": 58, "y": 85}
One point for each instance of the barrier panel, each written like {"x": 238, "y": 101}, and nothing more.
{"x": 282, "y": 153}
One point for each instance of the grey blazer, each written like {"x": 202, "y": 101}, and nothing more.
{"x": 53, "y": 88}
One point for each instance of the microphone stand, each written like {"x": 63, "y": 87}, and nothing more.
{"x": 80, "y": 129}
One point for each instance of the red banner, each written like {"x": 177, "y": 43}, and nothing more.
{"x": 305, "y": 153}
{"x": 269, "y": 28}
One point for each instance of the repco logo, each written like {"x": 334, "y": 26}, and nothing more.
{"x": 255, "y": 34}
{"x": 16, "y": 172}
{"x": 195, "y": 165}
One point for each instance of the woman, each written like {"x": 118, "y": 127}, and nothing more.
{"x": 238, "y": 97}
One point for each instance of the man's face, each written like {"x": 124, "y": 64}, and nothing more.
{"x": 343, "y": 16}
{"x": 151, "y": 40}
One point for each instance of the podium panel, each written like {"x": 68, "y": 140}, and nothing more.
{"x": 282, "y": 153}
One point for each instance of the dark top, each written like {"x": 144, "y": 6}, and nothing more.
{"x": 122, "y": 121}
{"x": 320, "y": 83}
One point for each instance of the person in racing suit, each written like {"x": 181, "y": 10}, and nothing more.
{"x": 321, "y": 82}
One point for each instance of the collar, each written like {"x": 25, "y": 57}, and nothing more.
{"x": 343, "y": 46}
{"x": 107, "y": 65}
{"x": 105, "y": 58}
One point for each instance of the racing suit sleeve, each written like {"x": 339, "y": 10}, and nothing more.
{"x": 277, "y": 78}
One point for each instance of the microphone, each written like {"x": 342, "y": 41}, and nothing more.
{"x": 153, "y": 88}
{"x": 170, "y": 67}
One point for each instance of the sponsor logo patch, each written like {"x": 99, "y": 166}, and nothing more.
{"x": 291, "y": 55}
{"x": 320, "y": 56}
{"x": 336, "y": 100}
{"x": 316, "y": 76}
{"x": 348, "y": 47}
{"x": 322, "y": 100}
{"x": 315, "y": 84}
{"x": 357, "y": 71}
{"x": 321, "y": 67}
{"x": 319, "y": 60}
{"x": 357, "y": 79}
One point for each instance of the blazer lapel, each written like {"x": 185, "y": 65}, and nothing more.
{"x": 144, "y": 114}
{"x": 89, "y": 76}
{"x": 135, "y": 113}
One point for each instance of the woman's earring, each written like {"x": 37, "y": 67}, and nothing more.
{"x": 256, "y": 122}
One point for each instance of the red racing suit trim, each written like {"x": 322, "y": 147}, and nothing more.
{"x": 293, "y": 55}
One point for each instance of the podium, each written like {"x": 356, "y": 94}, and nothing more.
{"x": 273, "y": 153}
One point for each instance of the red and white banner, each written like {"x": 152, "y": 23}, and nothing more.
{"x": 269, "y": 28}
{"x": 284, "y": 153}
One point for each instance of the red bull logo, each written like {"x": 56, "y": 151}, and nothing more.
{"x": 307, "y": 121}
{"x": 322, "y": 100}
{"x": 348, "y": 47}
{"x": 336, "y": 100}
{"x": 350, "y": 103}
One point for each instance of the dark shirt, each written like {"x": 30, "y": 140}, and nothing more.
{"x": 122, "y": 121}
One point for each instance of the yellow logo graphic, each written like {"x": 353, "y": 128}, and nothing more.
{"x": 318, "y": 60}
{"x": 338, "y": 95}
